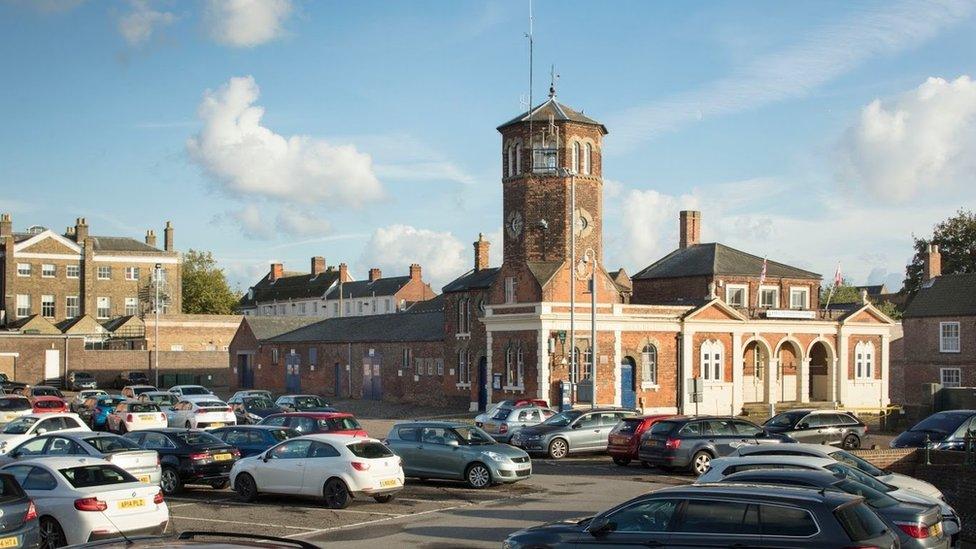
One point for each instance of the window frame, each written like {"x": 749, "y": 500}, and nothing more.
{"x": 942, "y": 373}
{"x": 943, "y": 338}
{"x": 131, "y": 306}
{"x": 23, "y": 311}
{"x": 104, "y": 272}
{"x": 68, "y": 307}
{"x": 45, "y": 270}
{"x": 649, "y": 366}
{"x": 864, "y": 361}
{"x": 775, "y": 301}
{"x": 48, "y": 301}
{"x": 24, "y": 270}
{"x": 712, "y": 369}
{"x": 729, "y": 288}
{"x": 99, "y": 308}
{"x": 76, "y": 269}
{"x": 132, "y": 273}
{"x": 806, "y": 297}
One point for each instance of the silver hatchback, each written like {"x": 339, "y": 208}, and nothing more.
{"x": 506, "y": 421}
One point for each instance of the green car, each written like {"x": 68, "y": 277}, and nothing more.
{"x": 456, "y": 451}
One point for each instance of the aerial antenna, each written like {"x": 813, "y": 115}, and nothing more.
{"x": 529, "y": 36}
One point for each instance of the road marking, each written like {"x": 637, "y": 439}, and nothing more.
{"x": 418, "y": 500}
{"x": 239, "y": 522}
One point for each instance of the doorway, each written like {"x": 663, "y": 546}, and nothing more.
{"x": 628, "y": 389}
{"x": 293, "y": 374}
{"x": 483, "y": 384}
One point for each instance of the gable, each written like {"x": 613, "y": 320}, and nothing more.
{"x": 39, "y": 325}
{"x": 715, "y": 310}
{"x": 868, "y": 316}
{"x": 48, "y": 243}
{"x": 85, "y": 325}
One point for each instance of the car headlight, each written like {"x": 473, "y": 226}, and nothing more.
{"x": 253, "y": 417}
{"x": 497, "y": 457}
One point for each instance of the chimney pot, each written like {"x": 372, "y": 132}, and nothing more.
{"x": 318, "y": 265}
{"x": 6, "y": 225}
{"x": 481, "y": 248}
{"x": 277, "y": 271}
{"x": 375, "y": 274}
{"x": 415, "y": 272}
{"x": 344, "y": 273}
{"x": 151, "y": 238}
{"x": 168, "y": 237}
{"x": 689, "y": 228}
{"x": 81, "y": 230}
{"x": 932, "y": 263}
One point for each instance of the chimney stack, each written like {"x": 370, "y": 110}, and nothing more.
{"x": 69, "y": 232}
{"x": 318, "y": 265}
{"x": 690, "y": 228}
{"x": 151, "y": 238}
{"x": 481, "y": 253}
{"x": 168, "y": 237}
{"x": 6, "y": 225}
{"x": 375, "y": 274}
{"x": 277, "y": 271}
{"x": 81, "y": 230}
{"x": 344, "y": 273}
{"x": 932, "y": 263}
{"x": 415, "y": 271}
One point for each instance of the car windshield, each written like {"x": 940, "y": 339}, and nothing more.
{"x": 96, "y": 475}
{"x": 784, "y": 420}
{"x": 83, "y": 375}
{"x": 166, "y": 399}
{"x": 48, "y": 404}
{"x": 140, "y": 390}
{"x": 210, "y": 404}
{"x": 663, "y": 428}
{"x": 45, "y": 391}
{"x": 111, "y": 402}
{"x": 19, "y": 426}
{"x": 14, "y": 404}
{"x": 194, "y": 391}
{"x": 256, "y": 403}
{"x": 112, "y": 444}
{"x": 143, "y": 407}
{"x": 473, "y": 436}
{"x": 856, "y": 474}
{"x": 856, "y": 462}
{"x": 198, "y": 439}
{"x": 876, "y": 499}
{"x": 370, "y": 450}
{"x": 502, "y": 413}
{"x": 309, "y": 402}
{"x": 563, "y": 419}
{"x": 942, "y": 422}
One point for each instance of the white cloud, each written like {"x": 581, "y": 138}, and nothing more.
{"x": 923, "y": 140}
{"x": 441, "y": 255}
{"x": 299, "y": 223}
{"x": 650, "y": 223}
{"x": 251, "y": 222}
{"x": 246, "y": 23}
{"x": 248, "y": 159}
{"x": 138, "y": 25}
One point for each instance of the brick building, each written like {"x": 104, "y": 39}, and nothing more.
{"x": 62, "y": 276}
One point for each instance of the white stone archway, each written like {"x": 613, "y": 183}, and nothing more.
{"x": 790, "y": 376}
{"x": 822, "y": 371}
{"x": 754, "y": 386}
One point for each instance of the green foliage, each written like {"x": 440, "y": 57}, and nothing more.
{"x": 845, "y": 293}
{"x": 956, "y": 238}
{"x": 205, "y": 288}
{"x": 889, "y": 309}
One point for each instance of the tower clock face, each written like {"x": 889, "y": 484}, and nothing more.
{"x": 515, "y": 224}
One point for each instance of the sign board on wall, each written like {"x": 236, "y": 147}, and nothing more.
{"x": 496, "y": 381}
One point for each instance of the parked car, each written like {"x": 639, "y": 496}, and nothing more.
{"x": 303, "y": 403}
{"x": 164, "y": 399}
{"x": 236, "y": 397}
{"x": 133, "y": 391}
{"x": 78, "y": 401}
{"x": 508, "y": 403}
{"x": 816, "y": 450}
{"x": 190, "y": 390}
{"x": 571, "y": 431}
{"x": 79, "y": 502}
{"x": 251, "y": 440}
{"x": 919, "y": 526}
{"x": 200, "y": 414}
{"x": 32, "y": 425}
{"x": 332, "y": 467}
{"x": 693, "y": 441}
{"x": 507, "y": 421}
{"x": 142, "y": 464}
{"x": 251, "y": 410}
{"x": 9, "y": 385}
{"x": 20, "y": 526}
{"x": 76, "y": 381}
{"x": 717, "y": 516}
{"x": 188, "y": 456}
{"x": 819, "y": 427}
{"x": 307, "y": 423}
{"x": 623, "y": 441}
{"x": 943, "y": 430}
{"x": 130, "y": 378}
{"x": 456, "y": 451}
{"x": 49, "y": 404}
{"x": 134, "y": 415}
{"x": 13, "y": 407}
{"x": 43, "y": 390}
{"x": 100, "y": 408}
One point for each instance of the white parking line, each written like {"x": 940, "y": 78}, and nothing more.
{"x": 239, "y": 522}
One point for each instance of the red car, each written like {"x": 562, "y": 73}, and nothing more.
{"x": 49, "y": 404}
{"x": 307, "y": 423}
{"x": 624, "y": 439}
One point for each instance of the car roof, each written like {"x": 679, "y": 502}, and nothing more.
{"x": 44, "y": 387}
{"x": 46, "y": 398}
{"x": 818, "y": 450}
{"x": 431, "y": 423}
{"x": 323, "y": 415}
{"x": 52, "y": 414}
{"x": 293, "y": 395}
{"x": 342, "y": 440}
{"x": 150, "y": 393}
{"x": 810, "y": 461}
{"x": 59, "y": 462}
{"x": 170, "y": 430}
{"x": 757, "y": 492}
{"x": 138, "y": 385}
{"x": 12, "y": 396}
{"x": 108, "y": 396}
{"x": 188, "y": 385}
{"x": 818, "y": 477}
{"x": 253, "y": 428}
{"x": 195, "y": 398}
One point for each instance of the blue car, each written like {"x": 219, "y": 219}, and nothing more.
{"x": 251, "y": 440}
{"x": 103, "y": 407}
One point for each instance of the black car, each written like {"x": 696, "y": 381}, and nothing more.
{"x": 943, "y": 430}
{"x": 130, "y": 378}
{"x": 19, "y": 516}
{"x": 693, "y": 441}
{"x": 251, "y": 410}
{"x": 820, "y": 427}
{"x": 188, "y": 456}
{"x": 721, "y": 515}
{"x": 251, "y": 440}
{"x": 8, "y": 385}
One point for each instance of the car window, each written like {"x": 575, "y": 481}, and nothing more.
{"x": 112, "y": 444}
{"x": 323, "y": 450}
{"x": 255, "y": 438}
{"x": 95, "y": 475}
{"x": 51, "y": 424}
{"x": 369, "y": 450}
{"x": 277, "y": 421}
{"x": 143, "y": 407}
{"x": 645, "y": 516}
{"x": 338, "y": 424}
{"x": 438, "y": 435}
{"x": 33, "y": 478}
{"x": 502, "y": 414}
{"x": 609, "y": 420}
{"x": 786, "y": 521}
{"x": 233, "y": 437}
{"x": 411, "y": 434}
{"x": 589, "y": 420}
{"x": 303, "y": 424}
{"x": 746, "y": 429}
{"x": 64, "y": 447}
{"x": 719, "y": 517}
{"x": 32, "y": 447}
{"x": 197, "y": 438}
{"x": 719, "y": 427}
{"x": 818, "y": 420}
{"x": 860, "y": 522}
{"x": 693, "y": 429}
{"x": 293, "y": 449}
{"x": 157, "y": 441}
{"x": 731, "y": 469}
{"x": 19, "y": 426}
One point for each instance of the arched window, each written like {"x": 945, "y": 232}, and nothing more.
{"x": 649, "y": 364}
{"x": 587, "y": 153}
{"x": 588, "y": 364}
{"x": 576, "y": 157}
{"x": 575, "y": 367}
{"x": 864, "y": 360}
{"x": 464, "y": 316}
{"x": 711, "y": 360}
{"x": 518, "y": 157}
{"x": 510, "y": 160}
{"x": 510, "y": 366}
{"x": 464, "y": 367}
{"x": 519, "y": 366}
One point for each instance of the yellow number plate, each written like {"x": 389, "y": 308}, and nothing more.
{"x": 222, "y": 457}
{"x": 12, "y": 541}
{"x": 936, "y": 530}
{"x": 144, "y": 478}
{"x": 147, "y": 417}
{"x": 132, "y": 503}
{"x": 216, "y": 424}
{"x": 389, "y": 483}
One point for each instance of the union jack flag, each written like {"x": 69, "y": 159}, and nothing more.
{"x": 762, "y": 274}
{"x": 837, "y": 278}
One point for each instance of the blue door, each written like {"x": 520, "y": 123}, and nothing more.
{"x": 244, "y": 372}
{"x": 628, "y": 394}
{"x": 293, "y": 374}
{"x": 482, "y": 384}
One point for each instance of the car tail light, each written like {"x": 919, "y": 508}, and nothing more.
{"x": 236, "y": 452}
{"x": 915, "y": 530}
{"x": 90, "y": 504}
{"x": 31, "y": 511}
{"x": 201, "y": 411}
{"x": 503, "y": 428}
{"x": 672, "y": 443}
{"x": 865, "y": 429}
{"x": 158, "y": 498}
{"x": 229, "y": 409}
{"x": 360, "y": 466}
{"x": 199, "y": 456}
{"x": 128, "y": 418}
{"x": 162, "y": 416}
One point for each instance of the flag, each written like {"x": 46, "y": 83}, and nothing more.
{"x": 762, "y": 274}
{"x": 837, "y": 278}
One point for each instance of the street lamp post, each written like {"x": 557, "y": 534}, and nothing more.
{"x": 156, "y": 327}
{"x": 564, "y": 172}
{"x": 590, "y": 257}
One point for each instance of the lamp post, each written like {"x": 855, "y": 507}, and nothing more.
{"x": 156, "y": 327}
{"x": 565, "y": 172}
{"x": 590, "y": 257}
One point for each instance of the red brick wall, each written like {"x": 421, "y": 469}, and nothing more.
{"x": 852, "y": 354}
{"x": 668, "y": 350}
{"x": 474, "y": 342}
{"x": 921, "y": 359}
{"x": 500, "y": 343}
{"x": 664, "y": 290}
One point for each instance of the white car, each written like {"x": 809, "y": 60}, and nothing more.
{"x": 839, "y": 454}
{"x": 190, "y": 390}
{"x": 133, "y": 391}
{"x": 31, "y": 425}
{"x": 13, "y": 407}
{"x": 201, "y": 413}
{"x": 86, "y": 499}
{"x": 336, "y": 468}
{"x": 135, "y": 415}
{"x": 142, "y": 464}
{"x": 80, "y": 398}
{"x": 164, "y": 399}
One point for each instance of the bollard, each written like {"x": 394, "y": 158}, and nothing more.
{"x": 928, "y": 449}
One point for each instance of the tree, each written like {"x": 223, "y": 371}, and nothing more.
{"x": 956, "y": 238}
{"x": 889, "y": 309}
{"x": 205, "y": 289}
{"x": 845, "y": 293}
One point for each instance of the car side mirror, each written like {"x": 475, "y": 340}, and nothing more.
{"x": 601, "y": 526}
{"x": 41, "y": 431}
{"x": 575, "y": 426}
{"x": 803, "y": 426}
{"x": 265, "y": 457}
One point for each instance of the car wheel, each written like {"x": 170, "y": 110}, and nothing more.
{"x": 384, "y": 499}
{"x": 336, "y": 494}
{"x": 700, "y": 462}
{"x": 851, "y": 442}
{"x": 220, "y": 484}
{"x": 558, "y": 449}
{"x": 478, "y": 476}
{"x": 621, "y": 461}
{"x": 169, "y": 481}
{"x": 246, "y": 488}
{"x": 51, "y": 533}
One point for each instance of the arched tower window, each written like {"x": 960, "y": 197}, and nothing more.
{"x": 864, "y": 360}
{"x": 518, "y": 157}
{"x": 576, "y": 157}
{"x": 587, "y": 153}
{"x": 649, "y": 364}
{"x": 510, "y": 160}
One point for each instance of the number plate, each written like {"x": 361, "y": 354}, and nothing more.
{"x": 936, "y": 530}
{"x": 222, "y": 457}
{"x": 147, "y": 417}
{"x": 144, "y": 478}
{"x": 650, "y": 442}
{"x": 389, "y": 483}
{"x": 132, "y": 503}
{"x": 12, "y": 541}
{"x": 216, "y": 424}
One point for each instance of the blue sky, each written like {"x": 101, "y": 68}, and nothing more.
{"x": 811, "y": 132}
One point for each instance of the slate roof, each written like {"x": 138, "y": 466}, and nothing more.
{"x": 394, "y": 327}
{"x": 947, "y": 295}
{"x": 558, "y": 112}
{"x": 472, "y": 280}
{"x": 717, "y": 259}
{"x": 121, "y": 244}
{"x": 543, "y": 271}
{"x": 292, "y": 285}
{"x": 267, "y": 327}
{"x": 365, "y": 288}
{"x": 32, "y": 323}
{"x": 873, "y": 290}
{"x": 430, "y": 305}
{"x": 116, "y": 323}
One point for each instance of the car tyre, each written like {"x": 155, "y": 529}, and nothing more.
{"x": 336, "y": 494}
{"x": 220, "y": 484}
{"x": 169, "y": 481}
{"x": 384, "y": 499}
{"x": 478, "y": 476}
{"x": 558, "y": 448}
{"x": 623, "y": 462}
{"x": 851, "y": 442}
{"x": 246, "y": 488}
{"x": 700, "y": 462}
{"x": 52, "y": 535}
